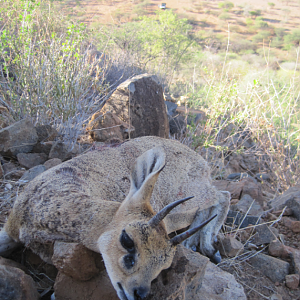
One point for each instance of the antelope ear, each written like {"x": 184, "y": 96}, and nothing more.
{"x": 144, "y": 174}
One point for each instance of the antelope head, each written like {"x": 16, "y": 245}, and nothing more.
{"x": 136, "y": 247}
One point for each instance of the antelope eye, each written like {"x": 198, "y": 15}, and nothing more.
{"x": 129, "y": 261}
{"x": 127, "y": 242}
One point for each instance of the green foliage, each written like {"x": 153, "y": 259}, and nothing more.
{"x": 255, "y": 13}
{"x": 160, "y": 43}
{"x": 260, "y": 23}
{"x": 263, "y": 35}
{"x": 249, "y": 22}
{"x": 271, "y": 4}
{"x": 292, "y": 39}
{"x": 43, "y": 71}
{"x": 224, "y": 16}
{"x": 226, "y": 5}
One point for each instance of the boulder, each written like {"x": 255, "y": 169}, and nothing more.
{"x": 274, "y": 268}
{"x": 147, "y": 113}
{"x": 220, "y": 285}
{"x": 16, "y": 285}
{"x": 182, "y": 280}
{"x": 19, "y": 137}
{"x": 30, "y": 160}
{"x": 75, "y": 261}
{"x": 291, "y": 199}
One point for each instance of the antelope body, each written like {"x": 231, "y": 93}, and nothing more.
{"x": 108, "y": 199}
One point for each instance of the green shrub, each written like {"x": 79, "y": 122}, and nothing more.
{"x": 224, "y": 16}
{"x": 260, "y": 23}
{"x": 44, "y": 72}
{"x": 271, "y": 4}
{"x": 255, "y": 13}
{"x": 292, "y": 39}
{"x": 226, "y": 5}
{"x": 263, "y": 35}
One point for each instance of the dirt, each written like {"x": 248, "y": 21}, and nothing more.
{"x": 256, "y": 285}
{"x": 284, "y": 14}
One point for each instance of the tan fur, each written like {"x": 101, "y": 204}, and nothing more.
{"x": 83, "y": 199}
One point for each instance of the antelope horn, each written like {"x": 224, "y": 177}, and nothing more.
{"x": 183, "y": 236}
{"x": 162, "y": 213}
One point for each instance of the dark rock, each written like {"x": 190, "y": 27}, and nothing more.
{"x": 19, "y": 137}
{"x": 290, "y": 198}
{"x": 43, "y": 147}
{"x": 237, "y": 176}
{"x": 46, "y": 133}
{"x": 263, "y": 235}
{"x": 16, "y": 285}
{"x": 147, "y": 113}
{"x": 237, "y": 218}
{"x": 295, "y": 256}
{"x": 243, "y": 163}
{"x": 244, "y": 204}
{"x": 75, "y": 261}
{"x": 30, "y": 160}
{"x": 62, "y": 151}
{"x": 262, "y": 177}
{"x": 274, "y": 268}
{"x": 32, "y": 173}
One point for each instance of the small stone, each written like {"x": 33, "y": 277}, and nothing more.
{"x": 276, "y": 248}
{"x": 32, "y": 173}
{"x": 276, "y": 296}
{"x": 292, "y": 281}
{"x": 230, "y": 247}
{"x": 8, "y": 186}
{"x": 295, "y": 226}
{"x": 287, "y": 222}
{"x": 52, "y": 163}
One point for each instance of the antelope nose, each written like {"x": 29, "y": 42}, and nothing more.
{"x": 141, "y": 293}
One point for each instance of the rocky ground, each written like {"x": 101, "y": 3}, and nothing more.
{"x": 260, "y": 243}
